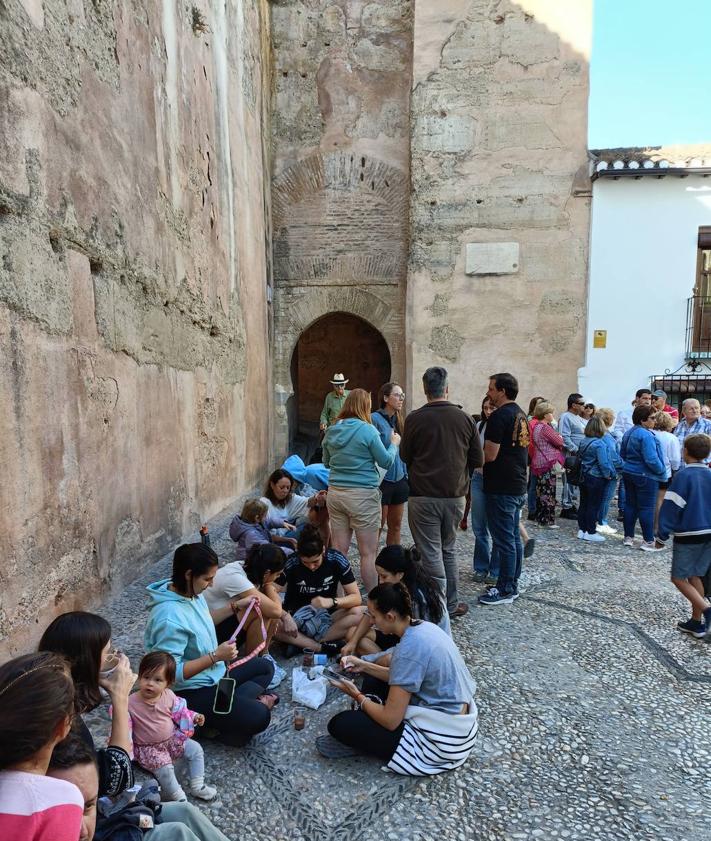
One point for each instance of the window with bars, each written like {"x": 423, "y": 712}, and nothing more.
{"x": 698, "y": 315}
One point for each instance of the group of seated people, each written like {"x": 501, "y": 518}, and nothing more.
{"x": 207, "y": 666}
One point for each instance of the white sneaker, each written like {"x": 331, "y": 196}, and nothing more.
{"x": 203, "y": 792}
{"x": 552, "y": 526}
{"x": 628, "y": 541}
{"x": 594, "y": 538}
{"x": 651, "y": 547}
{"x": 606, "y": 529}
{"x": 581, "y": 534}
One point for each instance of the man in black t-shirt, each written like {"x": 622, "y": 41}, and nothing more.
{"x": 505, "y": 461}
{"x": 312, "y": 599}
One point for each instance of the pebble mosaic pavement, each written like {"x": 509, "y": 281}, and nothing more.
{"x": 595, "y": 718}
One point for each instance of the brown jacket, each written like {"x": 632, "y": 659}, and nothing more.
{"x": 441, "y": 447}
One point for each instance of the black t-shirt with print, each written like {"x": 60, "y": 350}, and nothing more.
{"x": 508, "y": 428}
{"x": 303, "y": 584}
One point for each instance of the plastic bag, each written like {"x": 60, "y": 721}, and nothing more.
{"x": 309, "y": 687}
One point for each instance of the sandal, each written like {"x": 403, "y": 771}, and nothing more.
{"x": 269, "y": 695}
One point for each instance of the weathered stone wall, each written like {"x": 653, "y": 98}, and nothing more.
{"x": 499, "y": 136}
{"x": 135, "y": 379}
{"x": 341, "y": 171}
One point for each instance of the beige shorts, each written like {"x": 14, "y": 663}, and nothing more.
{"x": 354, "y": 508}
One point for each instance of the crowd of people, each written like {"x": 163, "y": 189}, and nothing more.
{"x": 208, "y": 671}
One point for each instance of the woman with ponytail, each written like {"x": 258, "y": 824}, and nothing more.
{"x": 421, "y": 717}
{"x": 394, "y": 565}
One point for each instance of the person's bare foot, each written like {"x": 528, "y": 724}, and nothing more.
{"x": 269, "y": 699}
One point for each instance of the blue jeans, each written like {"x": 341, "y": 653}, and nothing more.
{"x": 569, "y": 496}
{"x": 531, "y": 501}
{"x": 591, "y": 492}
{"x": 621, "y": 497}
{"x": 485, "y": 561}
{"x": 607, "y": 496}
{"x": 503, "y": 512}
{"x": 640, "y": 502}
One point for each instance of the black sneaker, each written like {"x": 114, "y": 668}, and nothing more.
{"x": 332, "y": 649}
{"x": 531, "y": 518}
{"x": 692, "y": 626}
{"x": 620, "y": 517}
{"x": 568, "y": 514}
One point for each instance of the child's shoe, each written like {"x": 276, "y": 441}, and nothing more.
{"x": 200, "y": 790}
{"x": 692, "y": 626}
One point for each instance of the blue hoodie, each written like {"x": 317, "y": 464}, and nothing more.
{"x": 184, "y": 628}
{"x": 351, "y": 449}
{"x": 686, "y": 510}
{"x": 314, "y": 476}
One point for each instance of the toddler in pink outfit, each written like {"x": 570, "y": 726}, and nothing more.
{"x": 162, "y": 725}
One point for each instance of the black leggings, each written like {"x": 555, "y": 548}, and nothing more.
{"x": 358, "y": 730}
{"x": 247, "y": 716}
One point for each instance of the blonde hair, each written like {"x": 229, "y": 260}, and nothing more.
{"x": 541, "y": 409}
{"x": 607, "y": 416}
{"x": 664, "y": 422}
{"x": 252, "y": 509}
{"x": 358, "y": 405}
{"x": 595, "y": 428}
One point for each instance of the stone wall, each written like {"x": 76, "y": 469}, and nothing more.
{"x": 341, "y": 172}
{"x": 499, "y": 138}
{"x": 133, "y": 283}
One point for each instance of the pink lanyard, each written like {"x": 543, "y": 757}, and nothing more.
{"x": 262, "y": 645}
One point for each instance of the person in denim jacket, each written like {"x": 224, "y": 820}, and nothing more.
{"x": 607, "y": 416}
{"x": 643, "y": 470}
{"x": 598, "y": 470}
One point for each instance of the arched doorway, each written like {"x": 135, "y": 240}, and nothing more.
{"x": 337, "y": 342}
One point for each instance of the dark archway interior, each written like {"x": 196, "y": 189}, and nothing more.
{"x": 337, "y": 343}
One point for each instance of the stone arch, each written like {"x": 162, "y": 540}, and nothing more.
{"x": 337, "y": 341}
{"x": 309, "y": 307}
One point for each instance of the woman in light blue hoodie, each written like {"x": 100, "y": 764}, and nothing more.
{"x": 181, "y": 624}
{"x": 353, "y": 451}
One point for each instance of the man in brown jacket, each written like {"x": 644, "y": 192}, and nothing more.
{"x": 441, "y": 447}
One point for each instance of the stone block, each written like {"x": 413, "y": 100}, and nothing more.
{"x": 445, "y": 134}
{"x": 492, "y": 258}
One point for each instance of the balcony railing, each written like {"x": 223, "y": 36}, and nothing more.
{"x": 698, "y": 327}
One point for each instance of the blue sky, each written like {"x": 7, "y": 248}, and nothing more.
{"x": 650, "y": 76}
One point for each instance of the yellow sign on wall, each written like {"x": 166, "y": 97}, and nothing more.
{"x": 600, "y": 338}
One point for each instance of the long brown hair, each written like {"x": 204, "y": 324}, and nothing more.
{"x": 358, "y": 405}
{"x": 36, "y": 696}
{"x": 385, "y": 391}
{"x": 80, "y": 637}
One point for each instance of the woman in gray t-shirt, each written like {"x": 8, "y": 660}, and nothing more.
{"x": 424, "y": 671}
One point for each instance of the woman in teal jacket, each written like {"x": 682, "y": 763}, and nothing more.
{"x": 352, "y": 449}
{"x": 181, "y": 624}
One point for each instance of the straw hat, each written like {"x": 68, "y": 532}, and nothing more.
{"x": 338, "y": 379}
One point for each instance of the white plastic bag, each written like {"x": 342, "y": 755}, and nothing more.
{"x": 309, "y": 687}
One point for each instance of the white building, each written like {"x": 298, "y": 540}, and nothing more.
{"x": 649, "y": 304}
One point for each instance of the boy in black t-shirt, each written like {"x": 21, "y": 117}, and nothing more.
{"x": 312, "y": 577}
{"x": 505, "y": 461}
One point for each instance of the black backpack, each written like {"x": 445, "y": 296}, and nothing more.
{"x": 574, "y": 472}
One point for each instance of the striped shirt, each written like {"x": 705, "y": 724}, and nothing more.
{"x": 699, "y": 426}
{"x": 37, "y": 808}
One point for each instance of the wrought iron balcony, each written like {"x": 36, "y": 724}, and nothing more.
{"x": 698, "y": 327}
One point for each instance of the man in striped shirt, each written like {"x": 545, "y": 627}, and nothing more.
{"x": 692, "y": 423}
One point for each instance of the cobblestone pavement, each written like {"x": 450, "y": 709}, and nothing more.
{"x": 594, "y": 712}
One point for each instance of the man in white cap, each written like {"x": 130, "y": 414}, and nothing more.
{"x": 334, "y": 401}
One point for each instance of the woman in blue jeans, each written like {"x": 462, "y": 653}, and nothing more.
{"x": 642, "y": 471}
{"x": 486, "y": 565}
{"x": 598, "y": 470}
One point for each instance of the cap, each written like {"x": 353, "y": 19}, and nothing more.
{"x": 338, "y": 379}
{"x": 659, "y": 393}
